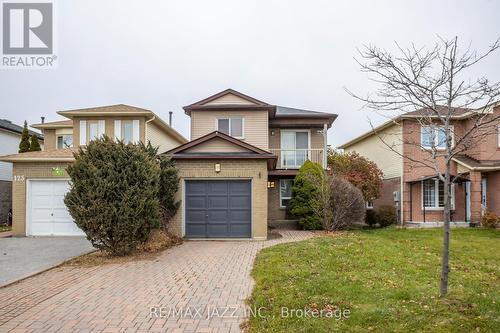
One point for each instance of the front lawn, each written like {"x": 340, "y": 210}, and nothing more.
{"x": 4, "y": 228}
{"x": 387, "y": 278}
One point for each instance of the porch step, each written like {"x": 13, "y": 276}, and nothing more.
{"x": 284, "y": 224}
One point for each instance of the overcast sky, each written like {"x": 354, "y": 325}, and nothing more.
{"x": 162, "y": 55}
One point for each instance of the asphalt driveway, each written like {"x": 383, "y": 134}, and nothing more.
{"x": 24, "y": 256}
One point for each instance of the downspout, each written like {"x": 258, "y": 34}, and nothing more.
{"x": 146, "y": 129}
{"x": 325, "y": 142}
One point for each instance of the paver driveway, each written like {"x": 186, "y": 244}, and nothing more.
{"x": 211, "y": 277}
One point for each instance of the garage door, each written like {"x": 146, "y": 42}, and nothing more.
{"x": 218, "y": 209}
{"x": 48, "y": 215}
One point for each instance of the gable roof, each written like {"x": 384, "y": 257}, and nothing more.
{"x": 253, "y": 103}
{"x": 50, "y": 155}
{"x": 220, "y": 135}
{"x": 9, "y": 126}
{"x": 108, "y": 109}
{"x": 54, "y": 124}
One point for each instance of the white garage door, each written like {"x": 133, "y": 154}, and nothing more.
{"x": 48, "y": 215}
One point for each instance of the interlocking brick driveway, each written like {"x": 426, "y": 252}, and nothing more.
{"x": 206, "y": 276}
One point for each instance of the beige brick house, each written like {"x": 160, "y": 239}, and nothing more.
{"x": 237, "y": 172}
{"x": 418, "y": 192}
{"x": 39, "y": 178}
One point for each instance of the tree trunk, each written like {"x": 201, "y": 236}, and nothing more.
{"x": 445, "y": 268}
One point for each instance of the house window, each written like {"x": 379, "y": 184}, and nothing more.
{"x": 294, "y": 148}
{"x": 434, "y": 137}
{"x": 285, "y": 192}
{"x": 64, "y": 141}
{"x": 369, "y": 205}
{"x": 433, "y": 194}
{"x": 93, "y": 130}
{"x": 127, "y": 131}
{"x": 231, "y": 126}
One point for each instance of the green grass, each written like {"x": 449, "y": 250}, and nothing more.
{"x": 387, "y": 278}
{"x": 5, "y": 228}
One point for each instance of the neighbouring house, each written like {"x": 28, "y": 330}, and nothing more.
{"x": 10, "y": 136}
{"x": 415, "y": 188}
{"x": 238, "y": 169}
{"x": 40, "y": 179}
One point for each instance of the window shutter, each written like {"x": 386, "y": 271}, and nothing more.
{"x": 135, "y": 131}
{"x": 101, "y": 128}
{"x": 118, "y": 130}
{"x": 83, "y": 132}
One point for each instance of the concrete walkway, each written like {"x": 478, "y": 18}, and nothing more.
{"x": 23, "y": 256}
{"x": 199, "y": 286}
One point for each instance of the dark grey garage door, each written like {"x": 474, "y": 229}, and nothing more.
{"x": 218, "y": 209}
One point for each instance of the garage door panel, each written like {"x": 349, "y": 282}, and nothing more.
{"x": 218, "y": 202}
{"x": 195, "y": 188}
{"x": 228, "y": 209}
{"x": 217, "y": 216}
{"x": 217, "y": 230}
{"x": 42, "y": 228}
{"x": 240, "y": 230}
{"x": 217, "y": 187}
{"x": 195, "y": 216}
{"x": 239, "y": 216}
{"x": 196, "y": 202}
{"x": 196, "y": 231}
{"x": 239, "y": 187}
{"x": 41, "y": 201}
{"x": 239, "y": 202}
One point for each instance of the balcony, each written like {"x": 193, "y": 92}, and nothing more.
{"x": 294, "y": 158}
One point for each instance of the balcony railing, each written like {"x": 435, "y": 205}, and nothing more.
{"x": 294, "y": 158}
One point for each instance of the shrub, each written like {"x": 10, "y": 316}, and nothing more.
{"x": 34, "y": 144}
{"x": 358, "y": 170}
{"x": 24, "y": 144}
{"x": 113, "y": 196}
{"x": 304, "y": 191}
{"x": 371, "y": 217}
{"x": 347, "y": 203}
{"x": 490, "y": 220}
{"x": 169, "y": 184}
{"x": 385, "y": 216}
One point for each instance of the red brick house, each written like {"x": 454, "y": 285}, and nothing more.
{"x": 415, "y": 188}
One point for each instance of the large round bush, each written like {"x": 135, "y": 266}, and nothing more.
{"x": 114, "y": 194}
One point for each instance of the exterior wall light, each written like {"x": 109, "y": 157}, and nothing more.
{"x": 217, "y": 167}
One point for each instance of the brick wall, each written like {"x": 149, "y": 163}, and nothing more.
{"x": 386, "y": 193}
{"x": 26, "y": 171}
{"x": 256, "y": 170}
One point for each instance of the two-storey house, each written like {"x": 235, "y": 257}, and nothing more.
{"x": 39, "y": 178}
{"x": 237, "y": 171}
{"x": 400, "y": 148}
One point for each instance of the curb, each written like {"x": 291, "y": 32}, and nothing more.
{"x": 42, "y": 270}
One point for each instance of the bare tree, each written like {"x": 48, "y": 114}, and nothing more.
{"x": 430, "y": 85}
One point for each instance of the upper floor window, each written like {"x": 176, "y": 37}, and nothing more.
{"x": 433, "y": 137}
{"x": 127, "y": 130}
{"x": 233, "y": 126}
{"x": 64, "y": 141}
{"x": 91, "y": 130}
